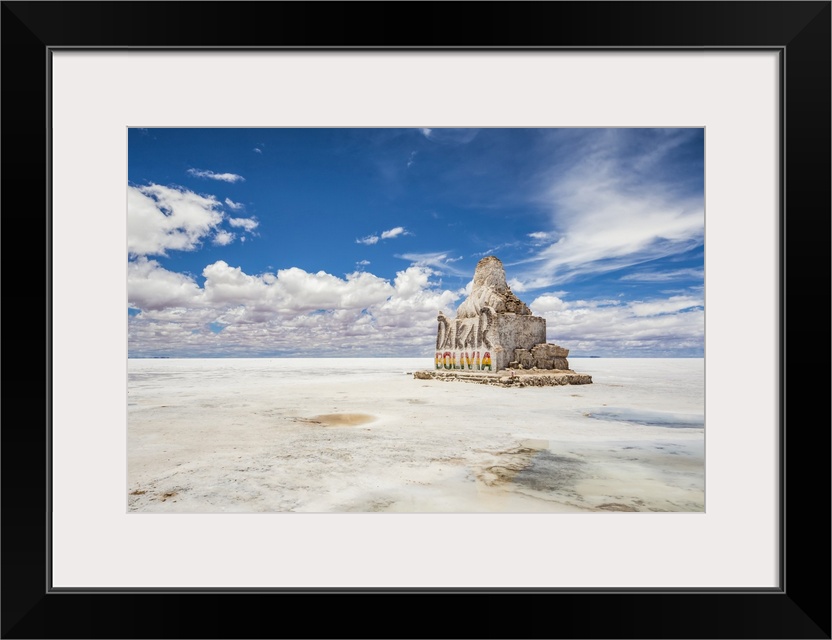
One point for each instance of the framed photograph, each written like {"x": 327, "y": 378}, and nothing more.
{"x": 319, "y": 384}
{"x": 142, "y": 113}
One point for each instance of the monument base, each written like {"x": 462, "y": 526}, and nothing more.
{"x": 509, "y": 377}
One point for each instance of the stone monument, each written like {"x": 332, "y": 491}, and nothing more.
{"x": 494, "y": 331}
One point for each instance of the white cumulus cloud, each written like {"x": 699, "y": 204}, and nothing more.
{"x": 248, "y": 224}
{"x": 161, "y": 218}
{"x": 223, "y": 238}
{"x": 292, "y": 311}
{"x": 152, "y": 287}
{"x": 669, "y": 326}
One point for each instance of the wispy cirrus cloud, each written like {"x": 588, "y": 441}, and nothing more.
{"x": 395, "y": 232}
{"x": 496, "y": 249}
{"x": 663, "y": 276}
{"x": 615, "y": 204}
{"x": 440, "y": 262}
{"x": 539, "y": 238}
{"x": 449, "y": 135}
{"x": 210, "y": 175}
{"x": 673, "y": 304}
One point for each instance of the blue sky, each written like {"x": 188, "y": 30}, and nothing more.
{"x": 347, "y": 242}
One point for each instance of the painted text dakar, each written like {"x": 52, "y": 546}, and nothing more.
{"x": 457, "y": 339}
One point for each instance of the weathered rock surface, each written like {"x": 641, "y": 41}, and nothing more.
{"x": 541, "y": 356}
{"x": 490, "y": 289}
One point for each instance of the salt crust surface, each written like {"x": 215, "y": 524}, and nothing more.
{"x": 362, "y": 435}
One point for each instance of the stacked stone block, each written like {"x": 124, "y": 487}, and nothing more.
{"x": 541, "y": 356}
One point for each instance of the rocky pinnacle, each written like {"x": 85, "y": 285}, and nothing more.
{"x": 490, "y": 289}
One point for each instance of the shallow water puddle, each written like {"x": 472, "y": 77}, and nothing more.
{"x": 532, "y": 466}
{"x": 648, "y": 418}
{"x": 548, "y": 472}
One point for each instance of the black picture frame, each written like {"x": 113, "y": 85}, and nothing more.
{"x": 798, "y": 608}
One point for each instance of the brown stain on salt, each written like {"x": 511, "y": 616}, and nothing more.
{"x": 341, "y": 419}
{"x": 616, "y": 506}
